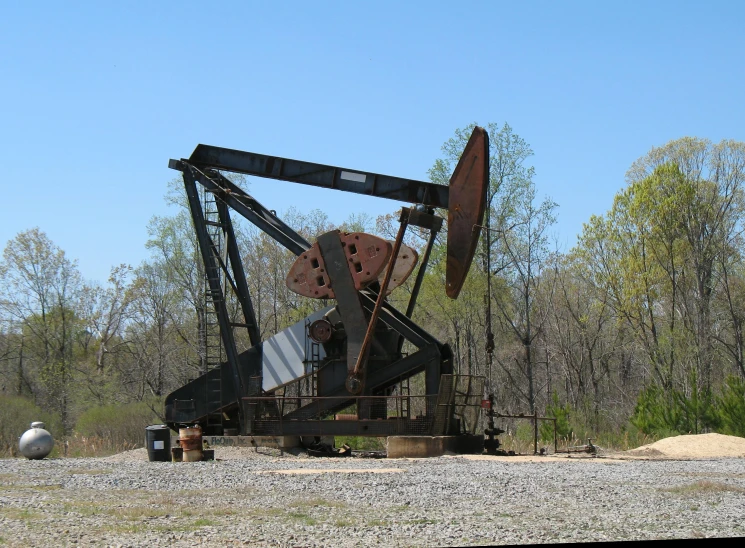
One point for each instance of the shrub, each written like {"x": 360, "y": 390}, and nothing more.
{"x": 661, "y": 411}
{"x": 561, "y": 413}
{"x": 654, "y": 411}
{"x": 361, "y": 443}
{"x": 731, "y": 407}
{"x": 16, "y": 415}
{"x": 119, "y": 425}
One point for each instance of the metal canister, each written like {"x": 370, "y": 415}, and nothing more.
{"x": 190, "y": 440}
{"x": 158, "y": 441}
{"x": 36, "y": 443}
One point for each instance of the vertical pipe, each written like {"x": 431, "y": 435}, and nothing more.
{"x": 556, "y": 443}
{"x": 420, "y": 274}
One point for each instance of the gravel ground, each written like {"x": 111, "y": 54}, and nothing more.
{"x": 268, "y": 499}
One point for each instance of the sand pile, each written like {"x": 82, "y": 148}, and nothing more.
{"x": 692, "y": 446}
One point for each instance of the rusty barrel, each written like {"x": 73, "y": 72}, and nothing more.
{"x": 190, "y": 440}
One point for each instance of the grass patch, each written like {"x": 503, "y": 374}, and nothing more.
{"x": 272, "y": 512}
{"x": 305, "y": 518}
{"x": 581, "y": 425}
{"x": 164, "y": 500}
{"x": 704, "y": 486}
{"x": 361, "y": 443}
{"x": 310, "y": 503}
{"x": 85, "y": 509}
{"x": 93, "y": 446}
{"x": 732, "y": 475}
{"x": 166, "y": 507}
{"x": 378, "y": 523}
{"x": 51, "y": 487}
{"x": 139, "y": 512}
{"x": 19, "y": 514}
{"x": 222, "y": 511}
{"x": 149, "y": 527}
{"x": 129, "y": 528}
{"x": 344, "y": 523}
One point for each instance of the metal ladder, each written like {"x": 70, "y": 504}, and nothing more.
{"x": 405, "y": 392}
{"x": 212, "y": 341}
{"x": 315, "y": 357}
{"x": 312, "y": 357}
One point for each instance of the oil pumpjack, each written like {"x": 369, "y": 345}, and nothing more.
{"x": 348, "y": 355}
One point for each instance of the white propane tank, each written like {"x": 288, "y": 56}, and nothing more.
{"x": 36, "y": 443}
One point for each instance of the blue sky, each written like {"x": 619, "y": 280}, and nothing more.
{"x": 96, "y": 97}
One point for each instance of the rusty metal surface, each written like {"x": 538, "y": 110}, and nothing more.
{"x": 308, "y": 276}
{"x": 320, "y": 331}
{"x": 402, "y": 268}
{"x": 403, "y": 414}
{"x": 341, "y": 266}
{"x": 468, "y": 187}
{"x": 190, "y": 438}
{"x": 355, "y": 380}
{"x": 347, "y": 295}
{"x": 367, "y": 257}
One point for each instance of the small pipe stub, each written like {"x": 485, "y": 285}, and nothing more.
{"x": 354, "y": 384}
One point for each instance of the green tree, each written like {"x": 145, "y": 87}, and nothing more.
{"x": 582, "y": 337}
{"x": 174, "y": 251}
{"x": 157, "y": 351}
{"x": 706, "y": 196}
{"x": 731, "y": 407}
{"x": 513, "y": 244}
{"x": 668, "y": 245}
{"x": 526, "y": 267}
{"x": 562, "y": 415}
{"x": 633, "y": 259}
{"x": 40, "y": 291}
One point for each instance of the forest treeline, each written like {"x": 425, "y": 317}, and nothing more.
{"x": 640, "y": 325}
